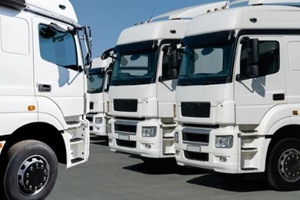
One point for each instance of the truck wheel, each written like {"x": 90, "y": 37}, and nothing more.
{"x": 31, "y": 171}
{"x": 283, "y": 168}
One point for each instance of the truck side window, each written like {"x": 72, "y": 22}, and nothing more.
{"x": 268, "y": 59}
{"x": 57, "y": 47}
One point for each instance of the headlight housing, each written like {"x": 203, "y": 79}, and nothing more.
{"x": 149, "y": 131}
{"x": 225, "y": 142}
{"x": 98, "y": 120}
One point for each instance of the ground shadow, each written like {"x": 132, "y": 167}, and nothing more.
{"x": 99, "y": 140}
{"x": 249, "y": 183}
{"x": 161, "y": 166}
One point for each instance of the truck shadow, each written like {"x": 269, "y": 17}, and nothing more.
{"x": 250, "y": 182}
{"x": 99, "y": 140}
{"x": 162, "y": 166}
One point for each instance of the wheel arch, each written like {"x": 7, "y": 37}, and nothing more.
{"x": 288, "y": 131}
{"x": 42, "y": 132}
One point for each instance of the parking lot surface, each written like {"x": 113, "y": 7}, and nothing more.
{"x": 116, "y": 176}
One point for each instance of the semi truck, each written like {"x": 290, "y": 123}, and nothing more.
{"x": 44, "y": 57}
{"x": 98, "y": 87}
{"x": 143, "y": 84}
{"x": 237, "y": 98}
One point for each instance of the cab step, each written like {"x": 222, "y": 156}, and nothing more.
{"x": 76, "y": 140}
{"x": 76, "y": 160}
{"x": 249, "y": 169}
{"x": 72, "y": 123}
{"x": 249, "y": 149}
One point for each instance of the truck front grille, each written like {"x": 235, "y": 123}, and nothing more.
{"x": 124, "y": 143}
{"x": 125, "y": 105}
{"x": 196, "y": 156}
{"x": 195, "y": 135}
{"x": 195, "y": 109}
{"x": 125, "y": 128}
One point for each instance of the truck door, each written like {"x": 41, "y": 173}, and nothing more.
{"x": 255, "y": 96}
{"x": 168, "y": 74}
{"x": 58, "y": 77}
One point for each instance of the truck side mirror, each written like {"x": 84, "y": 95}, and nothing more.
{"x": 250, "y": 59}
{"x": 171, "y": 48}
{"x": 253, "y": 53}
{"x": 88, "y": 35}
{"x": 172, "y": 73}
{"x": 106, "y": 54}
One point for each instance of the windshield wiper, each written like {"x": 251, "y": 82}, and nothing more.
{"x": 188, "y": 80}
{"x": 211, "y": 79}
{"x": 120, "y": 81}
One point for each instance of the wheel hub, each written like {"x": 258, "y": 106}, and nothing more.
{"x": 33, "y": 175}
{"x": 289, "y": 165}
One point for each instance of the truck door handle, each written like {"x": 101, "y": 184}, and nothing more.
{"x": 44, "y": 88}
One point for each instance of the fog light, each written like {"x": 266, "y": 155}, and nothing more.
{"x": 224, "y": 142}
{"x": 148, "y": 146}
{"x": 177, "y": 152}
{"x": 98, "y": 120}
{"x": 149, "y": 131}
{"x": 223, "y": 159}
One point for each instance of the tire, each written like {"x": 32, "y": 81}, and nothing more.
{"x": 31, "y": 171}
{"x": 283, "y": 167}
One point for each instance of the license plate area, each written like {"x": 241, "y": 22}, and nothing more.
{"x": 124, "y": 137}
{"x": 193, "y": 148}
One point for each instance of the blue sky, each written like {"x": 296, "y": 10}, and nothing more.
{"x": 108, "y": 18}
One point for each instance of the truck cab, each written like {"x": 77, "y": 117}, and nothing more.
{"x": 98, "y": 87}
{"x": 143, "y": 85}
{"x": 237, "y": 100}
{"x": 43, "y": 95}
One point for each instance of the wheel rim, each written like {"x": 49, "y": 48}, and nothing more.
{"x": 289, "y": 165}
{"x": 33, "y": 175}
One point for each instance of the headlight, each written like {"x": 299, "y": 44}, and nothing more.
{"x": 224, "y": 142}
{"x": 98, "y": 120}
{"x": 109, "y": 128}
{"x": 176, "y": 137}
{"x": 149, "y": 131}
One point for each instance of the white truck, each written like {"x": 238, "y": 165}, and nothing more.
{"x": 238, "y": 99}
{"x": 98, "y": 87}
{"x": 143, "y": 84}
{"x": 44, "y": 56}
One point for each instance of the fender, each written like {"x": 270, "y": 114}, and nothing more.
{"x": 278, "y": 117}
{"x": 50, "y": 113}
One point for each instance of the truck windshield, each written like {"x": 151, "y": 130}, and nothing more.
{"x": 95, "y": 80}
{"x": 207, "y": 60}
{"x": 135, "y": 64}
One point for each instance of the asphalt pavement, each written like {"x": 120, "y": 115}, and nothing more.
{"x": 116, "y": 176}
